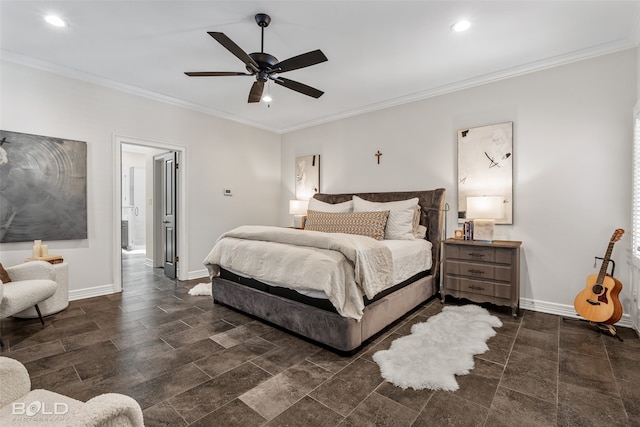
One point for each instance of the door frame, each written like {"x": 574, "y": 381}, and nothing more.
{"x": 635, "y": 262}
{"x": 118, "y": 141}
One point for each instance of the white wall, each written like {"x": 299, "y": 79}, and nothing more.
{"x": 572, "y": 148}
{"x": 220, "y": 153}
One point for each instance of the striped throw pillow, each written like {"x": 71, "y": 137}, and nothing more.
{"x": 364, "y": 223}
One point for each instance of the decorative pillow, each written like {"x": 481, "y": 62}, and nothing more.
{"x": 319, "y": 206}
{"x": 364, "y": 223}
{"x": 401, "y": 216}
{"x": 4, "y": 276}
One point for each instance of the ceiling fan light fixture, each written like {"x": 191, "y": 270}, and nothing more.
{"x": 462, "y": 25}
{"x": 56, "y": 21}
{"x": 266, "y": 98}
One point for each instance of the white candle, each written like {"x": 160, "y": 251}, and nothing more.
{"x": 44, "y": 250}
{"x": 36, "y": 252}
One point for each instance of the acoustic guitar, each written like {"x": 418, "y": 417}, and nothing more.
{"x": 599, "y": 302}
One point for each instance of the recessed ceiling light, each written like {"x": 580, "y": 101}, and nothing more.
{"x": 267, "y": 98}
{"x": 461, "y": 26}
{"x": 56, "y": 21}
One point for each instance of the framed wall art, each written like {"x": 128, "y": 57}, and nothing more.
{"x": 43, "y": 188}
{"x": 485, "y": 167}
{"x": 307, "y": 176}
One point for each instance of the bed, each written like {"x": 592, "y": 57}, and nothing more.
{"x": 343, "y": 328}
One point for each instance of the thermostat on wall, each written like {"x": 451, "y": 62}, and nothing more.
{"x": 227, "y": 192}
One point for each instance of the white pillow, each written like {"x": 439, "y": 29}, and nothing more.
{"x": 317, "y": 205}
{"x": 400, "y": 225}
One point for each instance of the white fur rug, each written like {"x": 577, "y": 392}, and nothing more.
{"x": 439, "y": 349}
{"x": 201, "y": 289}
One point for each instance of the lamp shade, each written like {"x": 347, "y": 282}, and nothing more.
{"x": 485, "y": 207}
{"x": 298, "y": 207}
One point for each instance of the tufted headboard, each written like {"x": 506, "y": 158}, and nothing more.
{"x": 431, "y": 215}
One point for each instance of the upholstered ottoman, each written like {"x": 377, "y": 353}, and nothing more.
{"x": 58, "y": 301}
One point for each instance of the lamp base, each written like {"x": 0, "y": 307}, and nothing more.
{"x": 298, "y": 221}
{"x": 483, "y": 229}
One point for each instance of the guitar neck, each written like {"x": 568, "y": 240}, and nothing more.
{"x": 605, "y": 263}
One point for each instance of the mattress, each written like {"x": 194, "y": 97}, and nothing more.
{"x": 410, "y": 258}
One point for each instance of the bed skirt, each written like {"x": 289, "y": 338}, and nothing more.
{"x": 329, "y": 328}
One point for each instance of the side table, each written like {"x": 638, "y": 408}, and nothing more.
{"x": 55, "y": 303}
{"x": 483, "y": 271}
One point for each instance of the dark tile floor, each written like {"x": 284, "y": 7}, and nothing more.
{"x": 190, "y": 362}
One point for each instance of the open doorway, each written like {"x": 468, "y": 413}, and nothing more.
{"x": 141, "y": 201}
{"x": 138, "y": 198}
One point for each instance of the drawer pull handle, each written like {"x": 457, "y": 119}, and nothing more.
{"x": 476, "y": 254}
{"x": 476, "y": 288}
{"x": 473, "y": 271}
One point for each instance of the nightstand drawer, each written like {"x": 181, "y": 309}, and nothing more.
{"x": 470, "y": 286}
{"x": 478, "y": 270}
{"x": 471, "y": 253}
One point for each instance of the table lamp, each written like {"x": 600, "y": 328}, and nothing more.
{"x": 484, "y": 210}
{"x": 298, "y": 208}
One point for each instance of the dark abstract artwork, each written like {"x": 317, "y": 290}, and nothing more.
{"x": 43, "y": 188}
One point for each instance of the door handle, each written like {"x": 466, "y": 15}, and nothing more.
{"x": 166, "y": 222}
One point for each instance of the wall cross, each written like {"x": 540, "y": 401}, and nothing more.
{"x": 378, "y": 154}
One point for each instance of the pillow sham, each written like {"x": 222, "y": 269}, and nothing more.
{"x": 401, "y": 216}
{"x": 420, "y": 232}
{"x": 319, "y": 206}
{"x": 370, "y": 224}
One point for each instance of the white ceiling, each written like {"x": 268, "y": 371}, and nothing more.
{"x": 381, "y": 53}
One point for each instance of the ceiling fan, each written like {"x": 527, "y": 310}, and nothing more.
{"x": 265, "y": 66}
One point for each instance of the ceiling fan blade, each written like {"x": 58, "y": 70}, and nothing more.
{"x": 235, "y": 49}
{"x": 214, "y": 73}
{"x": 256, "y": 91}
{"x": 298, "y": 87}
{"x": 300, "y": 61}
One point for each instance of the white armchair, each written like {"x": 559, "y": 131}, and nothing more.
{"x": 25, "y": 407}
{"x": 31, "y": 283}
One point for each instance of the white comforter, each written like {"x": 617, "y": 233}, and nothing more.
{"x": 344, "y": 266}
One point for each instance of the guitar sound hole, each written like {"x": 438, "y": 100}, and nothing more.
{"x": 597, "y": 289}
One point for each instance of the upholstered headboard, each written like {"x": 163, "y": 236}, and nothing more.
{"x": 431, "y": 215}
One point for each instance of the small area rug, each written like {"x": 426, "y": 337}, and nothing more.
{"x": 201, "y": 289}
{"x": 439, "y": 349}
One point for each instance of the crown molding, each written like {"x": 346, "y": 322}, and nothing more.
{"x": 123, "y": 87}
{"x": 475, "y": 81}
{"x": 605, "y": 49}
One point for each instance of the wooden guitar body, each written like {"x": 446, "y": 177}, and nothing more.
{"x": 599, "y": 301}
{"x": 596, "y": 307}
{"x": 617, "y": 306}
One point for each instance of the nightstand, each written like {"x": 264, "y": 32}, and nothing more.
{"x": 482, "y": 271}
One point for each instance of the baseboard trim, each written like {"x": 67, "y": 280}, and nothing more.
{"x": 525, "y": 303}
{"x": 563, "y": 310}
{"x": 96, "y": 291}
{"x": 198, "y": 274}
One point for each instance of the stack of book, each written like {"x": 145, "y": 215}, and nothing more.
{"x": 53, "y": 259}
{"x": 467, "y": 230}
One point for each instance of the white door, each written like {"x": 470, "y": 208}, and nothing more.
{"x": 168, "y": 211}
